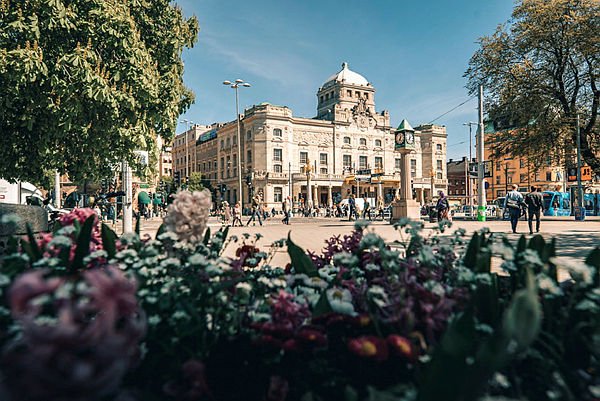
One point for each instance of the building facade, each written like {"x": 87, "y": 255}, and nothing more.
{"x": 459, "y": 182}
{"x": 347, "y": 136}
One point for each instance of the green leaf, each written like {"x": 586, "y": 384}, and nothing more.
{"x": 109, "y": 239}
{"x": 299, "y": 259}
{"x": 473, "y": 248}
{"x": 206, "y": 236}
{"x": 593, "y": 259}
{"x": 83, "y": 243}
{"x": 323, "y": 306}
{"x": 161, "y": 229}
{"x": 523, "y": 317}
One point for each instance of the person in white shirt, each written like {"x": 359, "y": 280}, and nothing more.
{"x": 514, "y": 203}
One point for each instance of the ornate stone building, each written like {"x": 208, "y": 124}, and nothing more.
{"x": 346, "y": 136}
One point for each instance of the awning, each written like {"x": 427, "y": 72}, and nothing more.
{"x": 144, "y": 198}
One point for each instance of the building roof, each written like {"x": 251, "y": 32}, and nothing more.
{"x": 347, "y": 76}
{"x": 405, "y": 126}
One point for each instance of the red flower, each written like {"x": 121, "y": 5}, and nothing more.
{"x": 311, "y": 337}
{"x": 369, "y": 347}
{"x": 402, "y": 346}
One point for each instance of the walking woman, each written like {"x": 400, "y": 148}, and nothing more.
{"x": 442, "y": 207}
{"x": 237, "y": 214}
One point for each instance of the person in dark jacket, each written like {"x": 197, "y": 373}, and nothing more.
{"x": 535, "y": 207}
{"x": 513, "y": 202}
{"x": 442, "y": 206}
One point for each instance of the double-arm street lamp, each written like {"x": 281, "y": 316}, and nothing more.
{"x": 235, "y": 85}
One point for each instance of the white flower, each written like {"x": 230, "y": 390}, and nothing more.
{"x": 579, "y": 271}
{"x": 314, "y": 282}
{"x": 378, "y": 295}
{"x": 548, "y": 285}
{"x": 340, "y": 300}
{"x": 60, "y": 241}
{"x": 188, "y": 214}
{"x": 243, "y": 287}
{"x": 198, "y": 260}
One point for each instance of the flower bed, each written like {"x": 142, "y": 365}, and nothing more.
{"x": 87, "y": 315}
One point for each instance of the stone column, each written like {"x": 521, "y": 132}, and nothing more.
{"x": 329, "y": 196}
{"x": 316, "y": 199}
{"x": 309, "y": 198}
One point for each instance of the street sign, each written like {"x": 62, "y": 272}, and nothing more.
{"x": 366, "y": 171}
{"x": 572, "y": 174}
{"x": 362, "y": 178}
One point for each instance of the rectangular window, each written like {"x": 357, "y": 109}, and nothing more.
{"x": 234, "y": 166}
{"x": 303, "y": 157}
{"x": 323, "y": 158}
{"x": 522, "y": 163}
{"x": 362, "y": 162}
{"x": 438, "y": 147}
{"x": 499, "y": 194}
{"x": 347, "y": 161}
{"x": 397, "y": 164}
{"x": 278, "y": 194}
{"x": 439, "y": 164}
{"x": 498, "y": 166}
{"x": 523, "y": 178}
{"x": 277, "y": 168}
{"x": 277, "y": 155}
{"x": 413, "y": 168}
{"x": 438, "y": 176}
{"x": 349, "y": 93}
{"x": 497, "y": 180}
{"x": 323, "y": 170}
{"x": 548, "y": 175}
{"x": 378, "y": 162}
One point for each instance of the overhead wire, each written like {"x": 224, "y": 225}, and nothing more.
{"x": 452, "y": 109}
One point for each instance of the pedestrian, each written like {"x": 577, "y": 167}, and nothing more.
{"x": 366, "y": 208}
{"x": 237, "y": 215}
{"x": 226, "y": 213}
{"x": 256, "y": 211}
{"x": 286, "y": 207}
{"x": 535, "y": 206}
{"x": 442, "y": 207}
{"x": 513, "y": 202}
{"x": 351, "y": 207}
{"x": 380, "y": 207}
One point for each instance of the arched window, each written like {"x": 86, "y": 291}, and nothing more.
{"x": 346, "y": 140}
{"x": 378, "y": 143}
{"x": 249, "y": 156}
{"x": 363, "y": 142}
{"x": 248, "y": 135}
{"x": 277, "y": 132}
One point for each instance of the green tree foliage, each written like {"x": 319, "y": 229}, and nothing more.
{"x": 195, "y": 183}
{"x": 85, "y": 82}
{"x": 538, "y": 70}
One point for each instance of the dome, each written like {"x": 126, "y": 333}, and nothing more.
{"x": 347, "y": 76}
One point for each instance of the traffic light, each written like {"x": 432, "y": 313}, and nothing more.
{"x": 177, "y": 178}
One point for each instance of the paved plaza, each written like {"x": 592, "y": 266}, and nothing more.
{"x": 575, "y": 239}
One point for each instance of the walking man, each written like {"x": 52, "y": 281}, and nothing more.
{"x": 366, "y": 208}
{"x": 256, "y": 211}
{"x": 513, "y": 203}
{"x": 286, "y": 206}
{"x": 535, "y": 206}
{"x": 351, "y": 207}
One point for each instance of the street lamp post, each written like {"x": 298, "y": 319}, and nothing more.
{"x": 235, "y": 85}
{"x": 469, "y": 182}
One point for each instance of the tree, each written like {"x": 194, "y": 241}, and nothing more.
{"x": 195, "y": 182}
{"x": 540, "y": 70}
{"x": 83, "y": 83}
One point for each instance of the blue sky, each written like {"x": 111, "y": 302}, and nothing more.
{"x": 413, "y": 52}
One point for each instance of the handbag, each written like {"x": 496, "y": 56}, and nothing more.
{"x": 512, "y": 204}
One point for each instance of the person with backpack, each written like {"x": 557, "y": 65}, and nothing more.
{"x": 535, "y": 207}
{"x": 513, "y": 203}
{"x": 442, "y": 207}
